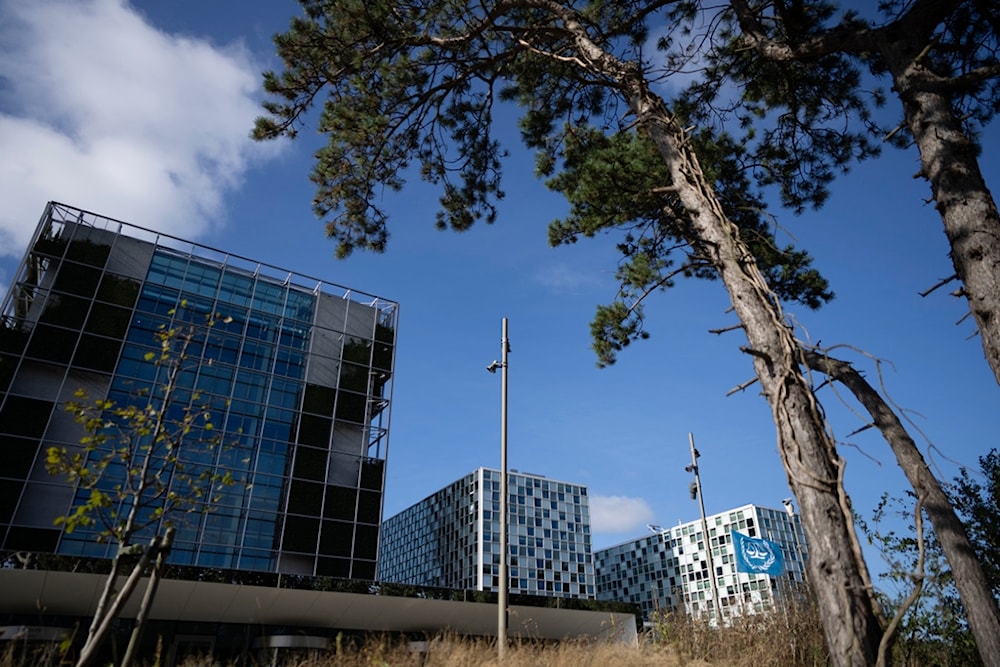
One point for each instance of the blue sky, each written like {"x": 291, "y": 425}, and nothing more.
{"x": 141, "y": 111}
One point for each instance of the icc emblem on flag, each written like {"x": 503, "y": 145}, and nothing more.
{"x": 757, "y": 556}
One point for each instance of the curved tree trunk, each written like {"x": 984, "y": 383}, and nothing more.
{"x": 850, "y": 614}
{"x": 973, "y": 588}
{"x": 851, "y": 618}
{"x": 950, "y": 164}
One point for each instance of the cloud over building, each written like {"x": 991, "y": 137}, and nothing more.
{"x": 99, "y": 108}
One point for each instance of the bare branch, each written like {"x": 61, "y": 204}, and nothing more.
{"x": 741, "y": 387}
{"x": 861, "y": 430}
{"x": 719, "y": 332}
{"x": 975, "y": 592}
{"x": 940, "y": 283}
{"x": 652, "y": 288}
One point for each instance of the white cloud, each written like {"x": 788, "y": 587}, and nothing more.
{"x": 618, "y": 514}
{"x": 561, "y": 278}
{"x": 100, "y": 110}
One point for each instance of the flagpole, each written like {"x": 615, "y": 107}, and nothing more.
{"x": 704, "y": 527}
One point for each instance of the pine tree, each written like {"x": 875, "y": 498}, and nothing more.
{"x": 416, "y": 82}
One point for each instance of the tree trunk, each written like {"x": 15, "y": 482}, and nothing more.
{"x": 162, "y": 550}
{"x": 972, "y": 224}
{"x": 107, "y": 595}
{"x": 948, "y": 156}
{"x": 949, "y": 162}
{"x": 851, "y": 619}
{"x": 973, "y": 588}
{"x": 102, "y": 624}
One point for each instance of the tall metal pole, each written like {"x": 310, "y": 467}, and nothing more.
{"x": 504, "y": 580}
{"x": 704, "y": 527}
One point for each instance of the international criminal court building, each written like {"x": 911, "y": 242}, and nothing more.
{"x": 451, "y": 539}
{"x": 296, "y": 371}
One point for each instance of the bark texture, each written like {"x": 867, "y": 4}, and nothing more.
{"x": 949, "y": 161}
{"x": 948, "y": 155}
{"x": 970, "y": 580}
{"x": 851, "y": 619}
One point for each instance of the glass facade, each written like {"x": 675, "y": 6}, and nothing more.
{"x": 296, "y": 372}
{"x": 669, "y": 570}
{"x": 451, "y": 539}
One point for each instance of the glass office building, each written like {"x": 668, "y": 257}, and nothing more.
{"x": 296, "y": 372}
{"x": 451, "y": 539}
{"x": 669, "y": 569}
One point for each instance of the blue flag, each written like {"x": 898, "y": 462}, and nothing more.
{"x": 756, "y": 555}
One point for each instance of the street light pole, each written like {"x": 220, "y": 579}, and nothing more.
{"x": 504, "y": 579}
{"x": 696, "y": 492}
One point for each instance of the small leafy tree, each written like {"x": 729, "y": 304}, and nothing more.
{"x": 934, "y": 628}
{"x": 930, "y": 622}
{"x": 979, "y": 503}
{"x": 967, "y": 573}
{"x": 139, "y": 468}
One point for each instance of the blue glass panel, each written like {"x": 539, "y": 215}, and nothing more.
{"x": 203, "y": 279}
{"x": 216, "y": 378}
{"x": 266, "y": 491}
{"x": 236, "y": 288}
{"x": 294, "y": 337}
{"x": 181, "y": 555}
{"x": 219, "y": 559}
{"x": 193, "y": 308}
{"x": 262, "y": 327}
{"x": 166, "y": 269}
{"x": 261, "y": 528}
{"x": 299, "y": 306}
{"x": 246, "y": 425}
{"x": 284, "y": 394}
{"x": 223, "y": 348}
{"x": 134, "y": 369}
{"x": 271, "y": 463}
{"x": 269, "y": 297}
{"x": 93, "y": 549}
{"x": 277, "y": 415}
{"x": 289, "y": 363}
{"x": 250, "y": 385}
{"x": 230, "y": 320}
{"x": 256, "y": 560}
{"x": 257, "y": 356}
{"x": 275, "y": 446}
{"x": 145, "y": 325}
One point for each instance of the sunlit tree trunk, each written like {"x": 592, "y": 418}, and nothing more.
{"x": 851, "y": 618}
{"x": 949, "y": 162}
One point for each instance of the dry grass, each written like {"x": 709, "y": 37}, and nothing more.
{"x": 451, "y": 652}
{"x": 789, "y": 636}
{"x": 781, "y": 639}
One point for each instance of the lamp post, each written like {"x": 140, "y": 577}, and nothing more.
{"x": 504, "y": 580}
{"x": 696, "y": 494}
